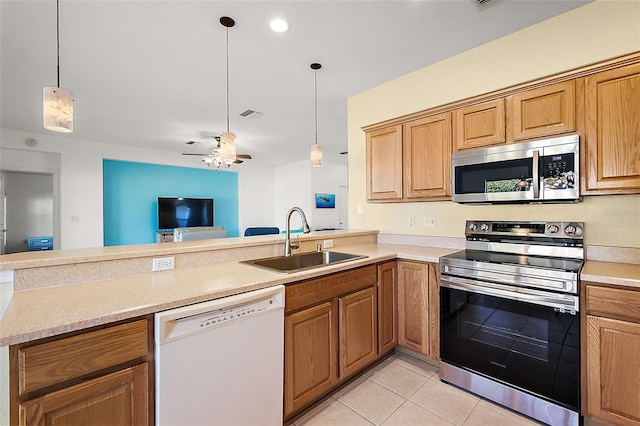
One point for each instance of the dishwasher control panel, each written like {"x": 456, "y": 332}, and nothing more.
{"x": 182, "y": 322}
{"x": 236, "y": 312}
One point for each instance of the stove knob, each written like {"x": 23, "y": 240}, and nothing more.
{"x": 570, "y": 229}
{"x": 553, "y": 229}
{"x": 484, "y": 227}
{"x": 473, "y": 227}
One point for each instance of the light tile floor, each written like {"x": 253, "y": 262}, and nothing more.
{"x": 403, "y": 390}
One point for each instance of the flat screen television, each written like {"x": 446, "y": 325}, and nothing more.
{"x": 179, "y": 212}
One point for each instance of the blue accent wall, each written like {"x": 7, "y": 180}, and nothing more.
{"x": 131, "y": 191}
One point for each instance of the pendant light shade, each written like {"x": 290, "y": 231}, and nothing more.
{"x": 57, "y": 103}
{"x": 316, "y": 155}
{"x": 57, "y": 109}
{"x": 316, "y": 149}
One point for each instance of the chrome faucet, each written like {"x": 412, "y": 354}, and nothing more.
{"x": 288, "y": 246}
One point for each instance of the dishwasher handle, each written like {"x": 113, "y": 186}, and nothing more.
{"x": 185, "y": 321}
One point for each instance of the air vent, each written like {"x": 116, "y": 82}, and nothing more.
{"x": 250, "y": 114}
{"x": 484, "y": 3}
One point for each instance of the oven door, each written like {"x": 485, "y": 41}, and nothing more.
{"x": 525, "y": 339}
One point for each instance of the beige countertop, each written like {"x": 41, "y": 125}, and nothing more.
{"x": 625, "y": 274}
{"x": 50, "y": 311}
{"x": 45, "y": 312}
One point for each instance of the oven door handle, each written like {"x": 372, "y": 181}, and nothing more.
{"x": 563, "y": 302}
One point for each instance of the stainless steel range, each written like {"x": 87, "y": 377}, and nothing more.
{"x": 509, "y": 321}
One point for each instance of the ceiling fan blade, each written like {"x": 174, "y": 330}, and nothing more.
{"x": 245, "y": 156}
{"x": 199, "y": 155}
{"x": 238, "y": 161}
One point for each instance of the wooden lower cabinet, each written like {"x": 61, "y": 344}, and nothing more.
{"x": 612, "y": 350}
{"x": 331, "y": 333}
{"x": 613, "y": 364}
{"x": 387, "y": 307}
{"x": 310, "y": 355}
{"x": 358, "y": 331}
{"x": 418, "y": 304}
{"x": 119, "y": 398}
{"x": 102, "y": 375}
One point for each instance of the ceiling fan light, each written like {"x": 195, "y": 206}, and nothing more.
{"x": 57, "y": 109}
{"x": 316, "y": 155}
{"x": 209, "y": 160}
{"x": 228, "y": 147}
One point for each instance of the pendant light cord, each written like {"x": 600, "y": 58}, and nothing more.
{"x": 58, "y": 40}
{"x": 227, "y": 79}
{"x": 315, "y": 88}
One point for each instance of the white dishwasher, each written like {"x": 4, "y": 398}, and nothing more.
{"x": 221, "y": 362}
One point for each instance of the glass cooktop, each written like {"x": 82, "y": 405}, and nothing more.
{"x": 570, "y": 265}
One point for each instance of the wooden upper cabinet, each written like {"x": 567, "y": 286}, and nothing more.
{"x": 546, "y": 111}
{"x": 427, "y": 157}
{"x": 479, "y": 125}
{"x": 384, "y": 164}
{"x": 612, "y": 139}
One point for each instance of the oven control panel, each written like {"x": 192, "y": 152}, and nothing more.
{"x": 477, "y": 230}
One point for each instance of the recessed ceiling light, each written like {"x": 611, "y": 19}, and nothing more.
{"x": 279, "y": 25}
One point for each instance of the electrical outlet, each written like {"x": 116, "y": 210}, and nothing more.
{"x": 163, "y": 263}
{"x": 430, "y": 221}
{"x": 411, "y": 221}
{"x": 327, "y": 243}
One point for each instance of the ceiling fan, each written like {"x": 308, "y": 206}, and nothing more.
{"x": 214, "y": 156}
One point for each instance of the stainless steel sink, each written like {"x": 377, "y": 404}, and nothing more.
{"x": 302, "y": 261}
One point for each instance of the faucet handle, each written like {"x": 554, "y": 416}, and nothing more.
{"x": 296, "y": 244}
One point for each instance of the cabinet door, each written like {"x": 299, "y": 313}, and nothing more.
{"x": 427, "y": 157}
{"x": 613, "y": 370}
{"x": 310, "y": 355}
{"x": 546, "y": 111}
{"x": 612, "y": 138}
{"x": 413, "y": 330}
{"x": 358, "y": 331}
{"x": 387, "y": 307}
{"x": 384, "y": 164}
{"x": 119, "y": 398}
{"x": 479, "y": 125}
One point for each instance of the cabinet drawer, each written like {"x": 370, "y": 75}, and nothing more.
{"x": 615, "y": 302}
{"x": 56, "y": 361}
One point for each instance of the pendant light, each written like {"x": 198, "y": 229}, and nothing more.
{"x": 227, "y": 139}
{"x": 57, "y": 103}
{"x": 316, "y": 149}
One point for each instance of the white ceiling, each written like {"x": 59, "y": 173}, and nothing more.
{"x": 151, "y": 74}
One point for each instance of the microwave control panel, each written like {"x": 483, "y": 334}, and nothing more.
{"x": 558, "y": 171}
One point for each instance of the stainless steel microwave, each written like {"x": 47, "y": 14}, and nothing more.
{"x": 536, "y": 171}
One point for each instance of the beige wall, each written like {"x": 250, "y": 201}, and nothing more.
{"x": 597, "y": 31}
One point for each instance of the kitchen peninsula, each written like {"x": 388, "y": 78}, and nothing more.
{"x": 68, "y": 291}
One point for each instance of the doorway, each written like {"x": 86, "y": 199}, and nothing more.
{"x": 27, "y": 209}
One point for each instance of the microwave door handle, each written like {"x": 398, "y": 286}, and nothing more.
{"x": 536, "y": 174}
